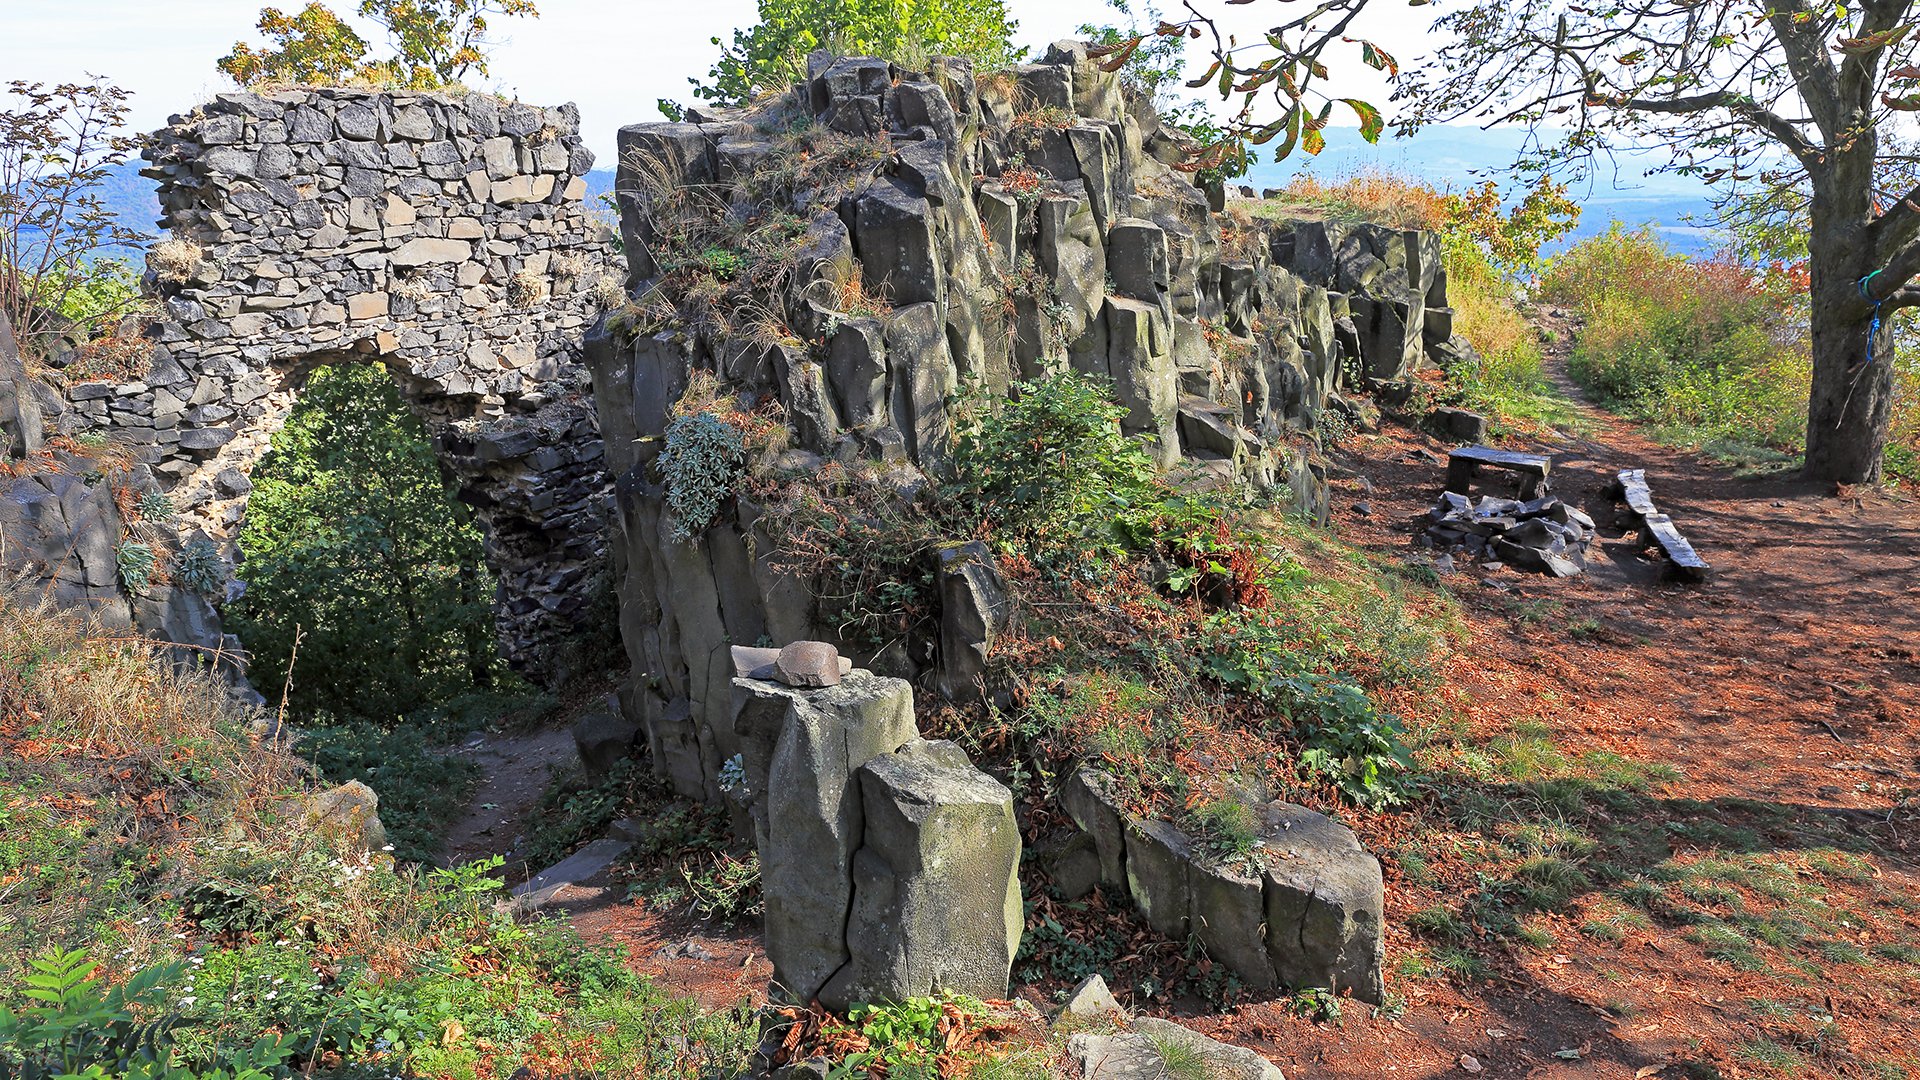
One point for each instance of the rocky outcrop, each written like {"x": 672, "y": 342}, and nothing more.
{"x": 21, "y": 420}
{"x": 888, "y": 862}
{"x": 1306, "y": 911}
{"x": 1012, "y": 228}
{"x": 1119, "y": 1047}
{"x": 444, "y": 237}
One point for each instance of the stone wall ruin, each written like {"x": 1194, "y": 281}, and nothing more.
{"x": 444, "y": 237}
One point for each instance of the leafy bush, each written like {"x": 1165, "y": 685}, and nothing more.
{"x": 1711, "y": 349}
{"x": 772, "y": 54}
{"x": 1049, "y": 467}
{"x": 84, "y": 1030}
{"x": 353, "y": 536}
{"x": 1345, "y": 739}
{"x": 1511, "y": 237}
{"x": 703, "y": 459}
{"x": 156, "y": 506}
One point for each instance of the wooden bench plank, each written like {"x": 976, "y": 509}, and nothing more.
{"x": 1631, "y": 487}
{"x": 1513, "y": 460}
{"x": 1659, "y": 529}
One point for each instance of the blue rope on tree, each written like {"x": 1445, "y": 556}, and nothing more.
{"x": 1873, "y": 328}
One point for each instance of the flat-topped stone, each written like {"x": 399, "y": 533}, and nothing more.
{"x": 756, "y": 662}
{"x": 1464, "y": 462}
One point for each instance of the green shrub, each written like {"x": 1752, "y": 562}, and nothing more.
{"x": 134, "y": 561}
{"x": 703, "y": 459}
{"x": 1713, "y": 353}
{"x": 354, "y": 536}
{"x": 81, "y": 1029}
{"x": 772, "y": 54}
{"x": 1345, "y": 739}
{"x": 1049, "y": 467}
{"x": 199, "y": 568}
{"x": 156, "y": 506}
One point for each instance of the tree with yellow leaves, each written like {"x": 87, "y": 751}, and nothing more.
{"x": 435, "y": 43}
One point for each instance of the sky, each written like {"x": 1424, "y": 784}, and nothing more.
{"x": 614, "y": 59}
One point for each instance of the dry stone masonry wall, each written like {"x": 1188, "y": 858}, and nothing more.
{"x": 445, "y": 237}
{"x": 1015, "y": 226}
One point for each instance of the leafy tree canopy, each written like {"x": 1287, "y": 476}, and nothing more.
{"x": 772, "y": 54}
{"x": 435, "y": 43}
{"x": 354, "y": 546}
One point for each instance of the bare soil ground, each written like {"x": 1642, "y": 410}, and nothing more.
{"x": 515, "y": 771}
{"x": 1784, "y": 693}
{"x": 1729, "y": 769}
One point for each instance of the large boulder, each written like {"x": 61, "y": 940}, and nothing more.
{"x": 936, "y": 901}
{"x": 973, "y": 612}
{"x": 800, "y": 750}
{"x": 1325, "y": 900}
{"x": 350, "y": 815}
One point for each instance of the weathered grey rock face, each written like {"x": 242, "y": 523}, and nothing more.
{"x": 414, "y": 230}
{"x": 800, "y": 750}
{"x": 1324, "y": 903}
{"x": 936, "y": 896}
{"x": 21, "y": 422}
{"x": 889, "y": 864}
{"x": 1141, "y": 1054}
{"x": 973, "y": 612}
{"x": 1308, "y": 915}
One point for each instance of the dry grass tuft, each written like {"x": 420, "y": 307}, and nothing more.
{"x": 526, "y": 289}
{"x": 173, "y": 260}
{"x": 1369, "y": 195}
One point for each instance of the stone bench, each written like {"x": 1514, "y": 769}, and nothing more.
{"x": 1464, "y": 463}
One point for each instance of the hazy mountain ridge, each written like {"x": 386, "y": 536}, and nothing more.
{"x": 1449, "y": 158}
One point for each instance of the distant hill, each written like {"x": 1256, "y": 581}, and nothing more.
{"x": 1451, "y": 157}
{"x": 1446, "y": 157}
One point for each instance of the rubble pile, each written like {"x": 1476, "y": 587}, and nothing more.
{"x": 1542, "y": 534}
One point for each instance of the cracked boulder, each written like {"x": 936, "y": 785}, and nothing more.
{"x": 1304, "y": 911}
{"x": 936, "y": 892}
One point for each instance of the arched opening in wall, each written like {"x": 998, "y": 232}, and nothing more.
{"x": 368, "y": 604}
{"x": 355, "y": 542}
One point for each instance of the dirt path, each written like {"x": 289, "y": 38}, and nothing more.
{"x": 1784, "y": 692}
{"x": 515, "y": 772}
{"x": 1792, "y": 676}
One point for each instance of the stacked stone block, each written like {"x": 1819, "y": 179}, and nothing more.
{"x": 445, "y": 237}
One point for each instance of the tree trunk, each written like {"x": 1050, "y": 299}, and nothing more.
{"x": 1852, "y": 393}
{"x": 478, "y": 639}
